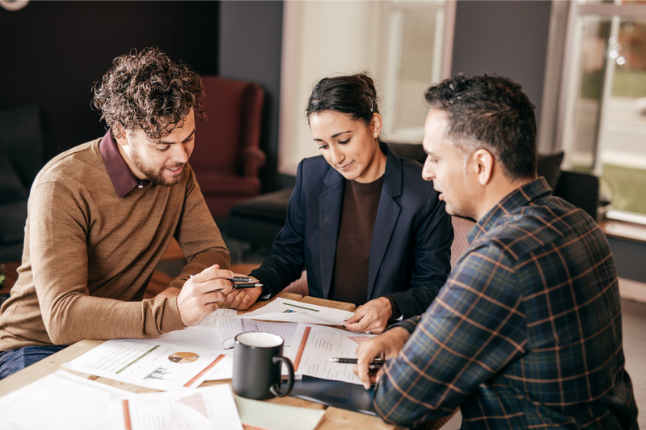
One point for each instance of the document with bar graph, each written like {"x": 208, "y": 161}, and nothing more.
{"x": 147, "y": 363}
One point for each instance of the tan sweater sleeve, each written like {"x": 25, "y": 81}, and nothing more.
{"x": 59, "y": 221}
{"x": 198, "y": 235}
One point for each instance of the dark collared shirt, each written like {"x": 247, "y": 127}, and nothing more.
{"x": 120, "y": 175}
{"x": 526, "y": 332}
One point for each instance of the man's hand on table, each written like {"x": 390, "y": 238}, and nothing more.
{"x": 372, "y": 316}
{"x": 384, "y": 346}
{"x": 201, "y": 293}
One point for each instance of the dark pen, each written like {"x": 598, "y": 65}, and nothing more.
{"x": 241, "y": 286}
{"x": 241, "y": 282}
{"x": 378, "y": 362}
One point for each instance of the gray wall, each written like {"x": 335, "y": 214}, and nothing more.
{"x": 250, "y": 49}
{"x": 508, "y": 38}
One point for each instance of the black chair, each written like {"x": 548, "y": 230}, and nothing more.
{"x": 22, "y": 154}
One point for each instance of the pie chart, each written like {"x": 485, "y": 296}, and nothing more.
{"x": 183, "y": 357}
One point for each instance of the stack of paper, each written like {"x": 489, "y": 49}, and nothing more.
{"x": 199, "y": 409}
{"x": 59, "y": 401}
{"x": 68, "y": 402}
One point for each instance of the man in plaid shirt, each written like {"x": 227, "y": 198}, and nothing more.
{"x": 526, "y": 332}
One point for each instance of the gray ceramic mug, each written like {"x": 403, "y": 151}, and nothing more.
{"x": 257, "y": 357}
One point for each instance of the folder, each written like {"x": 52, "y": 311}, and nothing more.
{"x": 339, "y": 394}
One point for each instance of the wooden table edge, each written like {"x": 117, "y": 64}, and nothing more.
{"x": 331, "y": 420}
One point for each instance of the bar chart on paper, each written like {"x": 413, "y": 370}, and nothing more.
{"x": 150, "y": 364}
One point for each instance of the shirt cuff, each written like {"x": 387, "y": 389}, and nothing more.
{"x": 397, "y": 313}
{"x": 265, "y": 294}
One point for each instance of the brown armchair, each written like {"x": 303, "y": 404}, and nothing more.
{"x": 227, "y": 154}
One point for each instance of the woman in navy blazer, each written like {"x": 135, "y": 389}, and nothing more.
{"x": 407, "y": 254}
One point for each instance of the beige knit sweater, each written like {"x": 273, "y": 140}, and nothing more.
{"x": 89, "y": 255}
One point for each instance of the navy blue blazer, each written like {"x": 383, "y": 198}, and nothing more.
{"x": 411, "y": 244}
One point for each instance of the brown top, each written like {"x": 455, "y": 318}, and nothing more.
{"x": 120, "y": 175}
{"x": 89, "y": 255}
{"x": 360, "y": 204}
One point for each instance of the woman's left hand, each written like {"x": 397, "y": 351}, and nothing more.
{"x": 372, "y": 317}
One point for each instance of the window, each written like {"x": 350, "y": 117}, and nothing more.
{"x": 415, "y": 59}
{"x": 404, "y": 45}
{"x": 604, "y": 129}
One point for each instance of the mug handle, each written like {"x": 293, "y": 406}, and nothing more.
{"x": 275, "y": 389}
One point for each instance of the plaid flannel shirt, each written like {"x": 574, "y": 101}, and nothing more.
{"x": 526, "y": 332}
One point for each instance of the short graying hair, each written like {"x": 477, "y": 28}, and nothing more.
{"x": 490, "y": 112}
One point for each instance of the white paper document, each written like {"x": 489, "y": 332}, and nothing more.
{"x": 148, "y": 363}
{"x": 222, "y": 370}
{"x": 226, "y": 329}
{"x": 212, "y": 318}
{"x": 197, "y": 409}
{"x": 192, "y": 337}
{"x": 290, "y": 310}
{"x": 59, "y": 401}
{"x": 319, "y": 343}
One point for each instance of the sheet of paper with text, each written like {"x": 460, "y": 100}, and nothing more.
{"x": 318, "y": 344}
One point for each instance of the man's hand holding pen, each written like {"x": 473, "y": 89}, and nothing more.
{"x": 379, "y": 348}
{"x": 202, "y": 293}
{"x": 376, "y": 364}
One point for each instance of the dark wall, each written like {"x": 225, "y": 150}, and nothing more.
{"x": 52, "y": 52}
{"x": 504, "y": 37}
{"x": 250, "y": 49}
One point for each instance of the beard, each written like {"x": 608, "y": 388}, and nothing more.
{"x": 156, "y": 176}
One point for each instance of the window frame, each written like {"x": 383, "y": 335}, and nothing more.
{"x": 560, "y": 82}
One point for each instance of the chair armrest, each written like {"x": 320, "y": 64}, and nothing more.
{"x": 252, "y": 159}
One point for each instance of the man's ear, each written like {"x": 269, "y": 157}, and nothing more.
{"x": 484, "y": 164}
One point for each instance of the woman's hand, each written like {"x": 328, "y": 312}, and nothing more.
{"x": 243, "y": 298}
{"x": 372, "y": 317}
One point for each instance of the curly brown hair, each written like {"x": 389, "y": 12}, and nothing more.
{"x": 147, "y": 90}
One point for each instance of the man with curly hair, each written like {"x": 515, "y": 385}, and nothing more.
{"x": 102, "y": 214}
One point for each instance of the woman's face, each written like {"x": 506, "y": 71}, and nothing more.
{"x": 348, "y": 145}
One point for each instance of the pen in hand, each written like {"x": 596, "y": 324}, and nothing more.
{"x": 240, "y": 286}
{"x": 240, "y": 282}
{"x": 378, "y": 362}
